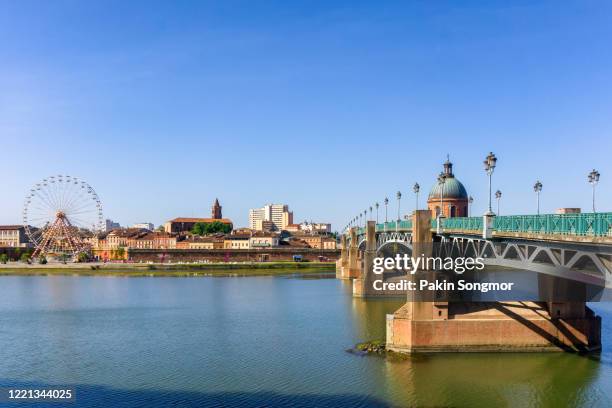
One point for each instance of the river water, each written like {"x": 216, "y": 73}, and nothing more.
{"x": 261, "y": 341}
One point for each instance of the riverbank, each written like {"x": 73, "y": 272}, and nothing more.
{"x": 167, "y": 269}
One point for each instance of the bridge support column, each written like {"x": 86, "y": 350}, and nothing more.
{"x": 342, "y": 263}
{"x": 402, "y": 326}
{"x": 363, "y": 285}
{"x": 493, "y": 326}
{"x": 353, "y": 270}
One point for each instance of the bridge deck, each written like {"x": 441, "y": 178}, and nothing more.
{"x": 587, "y": 227}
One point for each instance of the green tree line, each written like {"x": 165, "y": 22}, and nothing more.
{"x": 203, "y": 228}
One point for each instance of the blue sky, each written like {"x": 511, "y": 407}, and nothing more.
{"x": 326, "y": 106}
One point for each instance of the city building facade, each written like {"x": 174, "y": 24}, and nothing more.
{"x": 262, "y": 239}
{"x": 144, "y": 225}
{"x": 315, "y": 227}
{"x": 278, "y": 214}
{"x": 13, "y": 236}
{"x": 237, "y": 241}
{"x": 198, "y": 242}
{"x": 111, "y": 225}
{"x": 318, "y": 241}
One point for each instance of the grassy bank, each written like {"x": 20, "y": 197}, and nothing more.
{"x": 205, "y": 269}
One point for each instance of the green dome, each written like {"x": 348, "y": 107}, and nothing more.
{"x": 452, "y": 189}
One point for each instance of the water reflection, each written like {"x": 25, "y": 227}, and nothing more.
{"x": 487, "y": 379}
{"x": 163, "y": 341}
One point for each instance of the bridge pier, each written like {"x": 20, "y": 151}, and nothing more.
{"x": 363, "y": 285}
{"x": 488, "y": 326}
{"x": 342, "y": 263}
{"x": 352, "y": 268}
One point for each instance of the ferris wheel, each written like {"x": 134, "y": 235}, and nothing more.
{"x": 59, "y": 214}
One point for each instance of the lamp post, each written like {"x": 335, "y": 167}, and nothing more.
{"x": 399, "y": 199}
{"x": 370, "y": 212}
{"x": 376, "y": 205}
{"x": 365, "y": 217}
{"x": 441, "y": 182}
{"x": 416, "y": 188}
{"x": 498, "y": 195}
{"x": 489, "y": 165}
{"x": 386, "y": 207}
{"x": 537, "y": 187}
{"x": 593, "y": 180}
{"x": 470, "y": 201}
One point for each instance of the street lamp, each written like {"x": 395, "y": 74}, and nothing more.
{"x": 537, "y": 187}
{"x": 470, "y": 201}
{"x": 386, "y": 205}
{"x": 489, "y": 165}
{"x": 441, "y": 182}
{"x": 498, "y": 197}
{"x": 593, "y": 180}
{"x": 416, "y": 188}
{"x": 365, "y": 217}
{"x": 370, "y": 212}
{"x": 376, "y": 205}
{"x": 399, "y": 199}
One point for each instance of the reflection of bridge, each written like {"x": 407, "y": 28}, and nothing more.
{"x": 577, "y": 247}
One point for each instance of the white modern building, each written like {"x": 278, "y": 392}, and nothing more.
{"x": 144, "y": 225}
{"x": 278, "y": 214}
{"x": 315, "y": 227}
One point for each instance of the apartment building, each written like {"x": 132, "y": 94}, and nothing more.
{"x": 278, "y": 214}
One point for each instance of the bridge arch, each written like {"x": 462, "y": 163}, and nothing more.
{"x": 565, "y": 261}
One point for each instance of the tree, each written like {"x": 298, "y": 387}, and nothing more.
{"x": 119, "y": 253}
{"x": 63, "y": 258}
{"x": 4, "y": 258}
{"x": 203, "y": 228}
{"x": 25, "y": 257}
{"x": 83, "y": 257}
{"x": 42, "y": 260}
{"x": 161, "y": 228}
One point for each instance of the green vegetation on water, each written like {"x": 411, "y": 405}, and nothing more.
{"x": 378, "y": 347}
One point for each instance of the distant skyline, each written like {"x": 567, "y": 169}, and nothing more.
{"x": 325, "y": 106}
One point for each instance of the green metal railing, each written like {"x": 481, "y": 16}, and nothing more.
{"x": 390, "y": 226}
{"x": 587, "y": 224}
{"x": 462, "y": 223}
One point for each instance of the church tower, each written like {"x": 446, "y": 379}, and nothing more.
{"x": 216, "y": 210}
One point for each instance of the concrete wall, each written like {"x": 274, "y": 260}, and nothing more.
{"x": 230, "y": 255}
